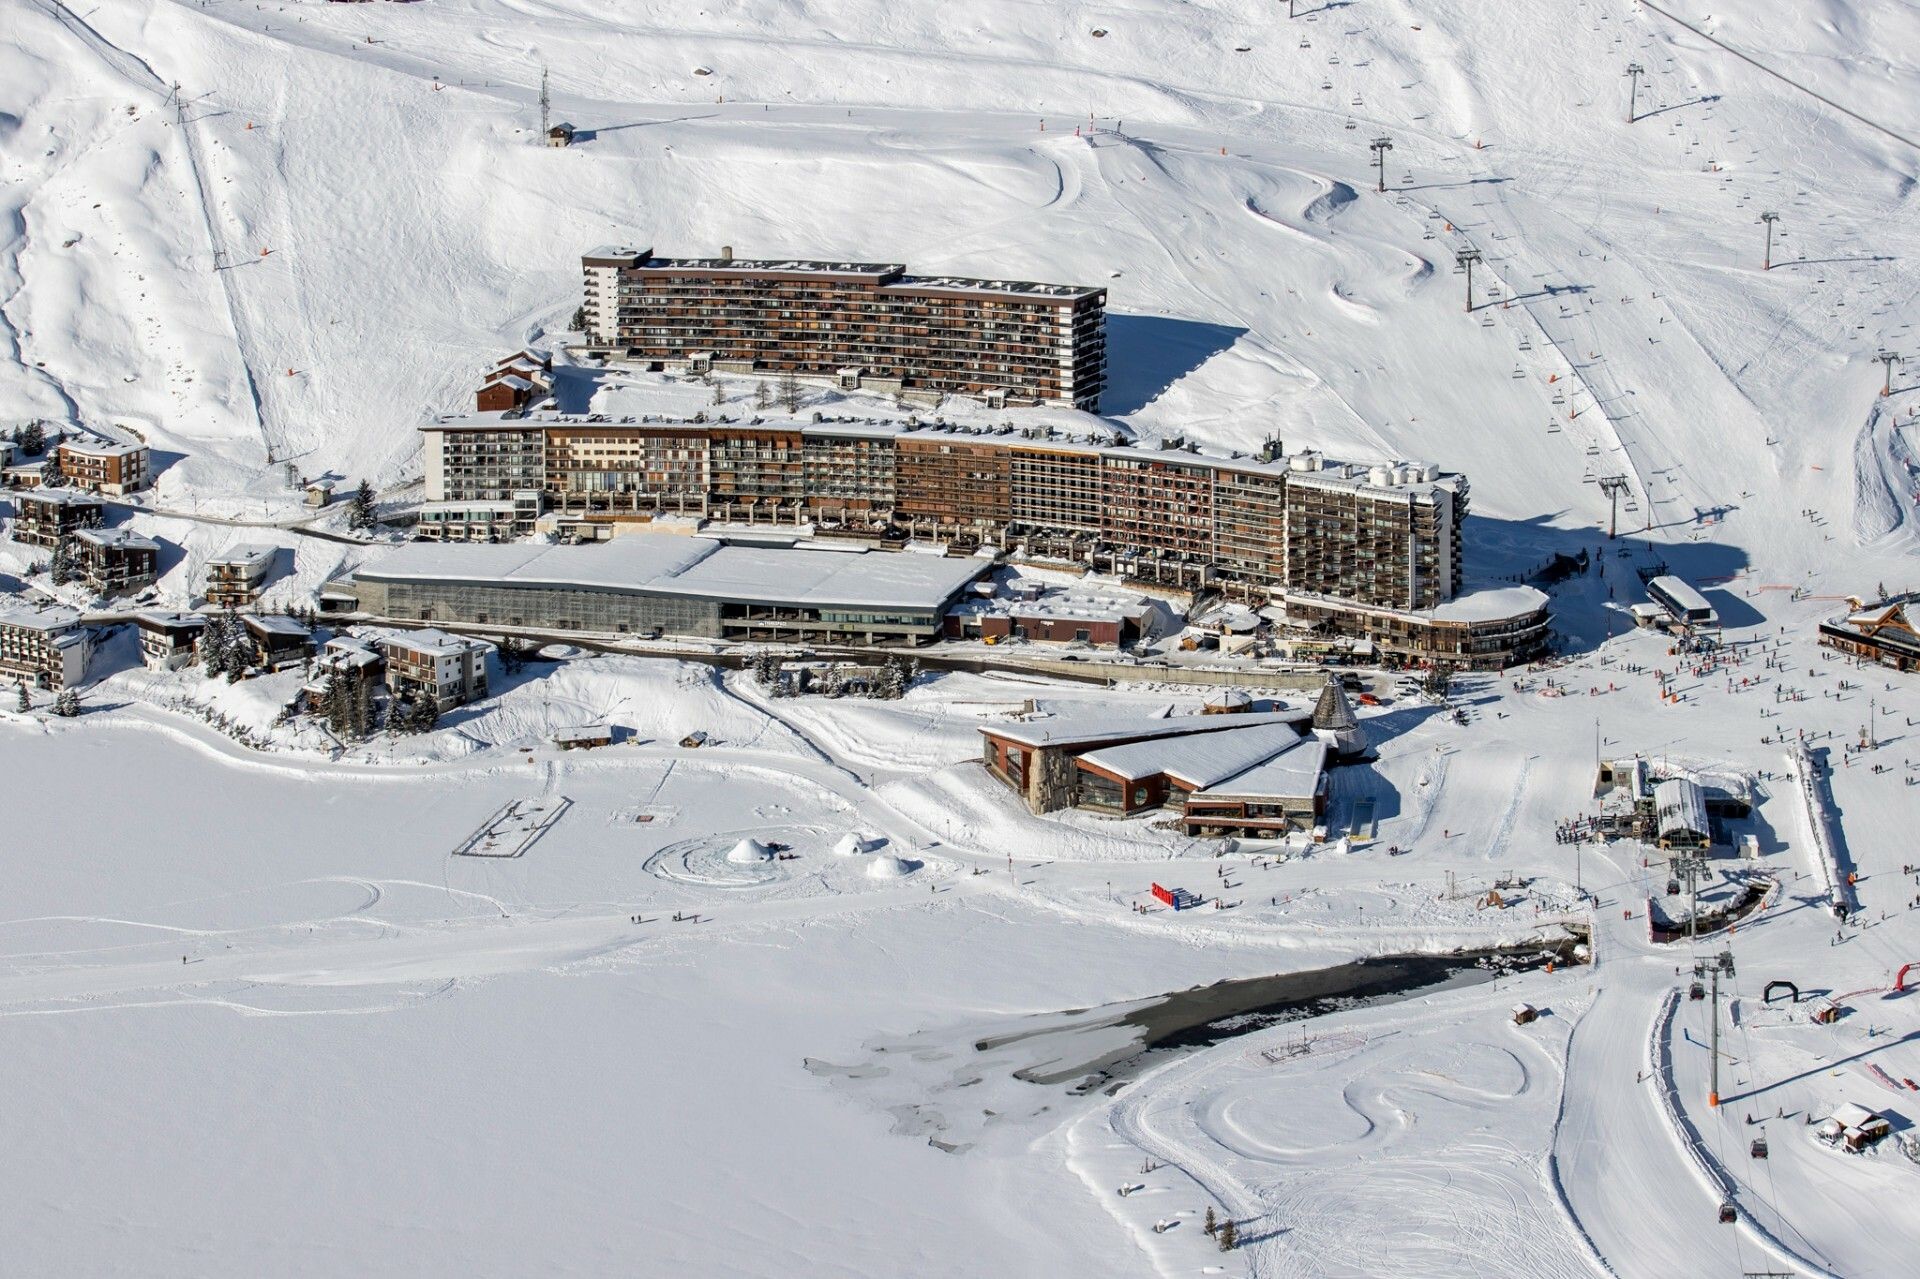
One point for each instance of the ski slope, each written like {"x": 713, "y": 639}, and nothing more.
{"x": 371, "y": 257}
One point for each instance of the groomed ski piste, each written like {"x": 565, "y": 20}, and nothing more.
{"x": 261, "y": 1017}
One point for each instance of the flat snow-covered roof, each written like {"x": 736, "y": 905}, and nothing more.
{"x": 276, "y": 624}
{"x": 157, "y": 620}
{"x": 124, "y": 538}
{"x": 247, "y": 555}
{"x": 57, "y": 618}
{"x": 432, "y": 640}
{"x": 101, "y": 448}
{"x": 659, "y": 564}
{"x": 861, "y": 579}
{"x": 1490, "y": 604}
{"x": 60, "y": 497}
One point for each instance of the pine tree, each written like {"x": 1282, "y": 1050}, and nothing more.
{"x": 361, "y": 514}
{"x": 1212, "y": 1224}
{"x": 25, "y": 702}
{"x": 345, "y": 712}
{"x": 426, "y": 714}
{"x": 67, "y": 704}
{"x": 762, "y": 397}
{"x": 579, "y": 323}
{"x": 1229, "y": 1236}
{"x": 33, "y": 440}
{"x": 225, "y": 646}
{"x": 789, "y": 392}
{"x": 217, "y": 642}
{"x": 212, "y": 652}
{"x": 61, "y": 571}
{"x": 897, "y": 677}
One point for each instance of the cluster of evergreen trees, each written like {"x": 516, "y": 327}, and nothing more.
{"x": 895, "y": 677}
{"x": 1225, "y": 1233}
{"x": 347, "y": 707}
{"x": 30, "y": 439}
{"x": 225, "y": 647}
{"x": 66, "y": 703}
{"x": 412, "y": 715}
{"x": 62, "y": 569}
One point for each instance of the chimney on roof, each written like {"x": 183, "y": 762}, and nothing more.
{"x": 726, "y": 253}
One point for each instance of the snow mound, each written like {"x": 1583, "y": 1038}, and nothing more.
{"x": 749, "y": 852}
{"x": 891, "y": 868}
{"x": 853, "y": 844}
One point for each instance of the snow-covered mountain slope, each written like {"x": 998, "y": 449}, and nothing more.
{"x": 354, "y": 217}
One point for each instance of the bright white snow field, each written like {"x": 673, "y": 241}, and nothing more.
{"x": 260, "y": 1018}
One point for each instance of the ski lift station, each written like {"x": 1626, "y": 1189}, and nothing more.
{"x": 1686, "y": 607}
{"x": 1680, "y": 815}
{"x": 1672, "y": 806}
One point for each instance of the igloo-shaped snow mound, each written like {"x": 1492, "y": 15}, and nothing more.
{"x": 749, "y": 852}
{"x": 853, "y": 844}
{"x": 891, "y": 868}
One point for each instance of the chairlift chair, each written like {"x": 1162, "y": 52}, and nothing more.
{"x": 1673, "y": 888}
{"x": 1759, "y": 1148}
{"x": 1728, "y": 1213}
{"x": 1696, "y": 991}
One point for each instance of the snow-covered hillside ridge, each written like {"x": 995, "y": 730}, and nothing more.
{"x": 342, "y": 215}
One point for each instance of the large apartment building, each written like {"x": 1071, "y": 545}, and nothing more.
{"x": 103, "y": 466}
{"x": 114, "y": 561}
{"x": 1370, "y": 550}
{"x": 860, "y": 323}
{"x": 44, "y": 516}
{"x": 451, "y": 670}
{"x": 45, "y": 647}
{"x": 236, "y": 575}
{"x": 1384, "y": 535}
